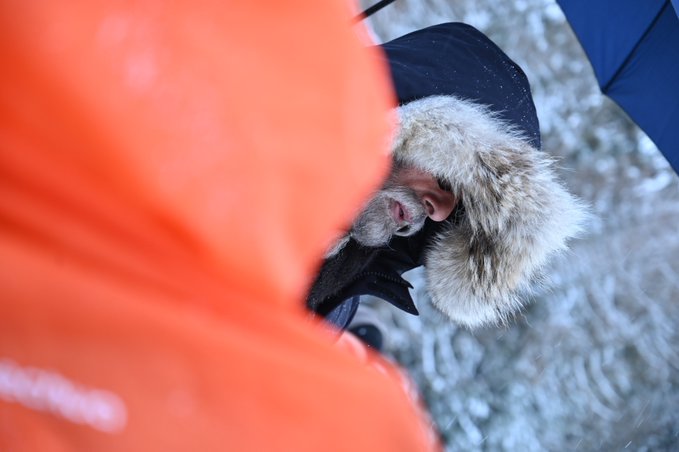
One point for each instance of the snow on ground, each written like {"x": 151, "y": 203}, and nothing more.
{"x": 593, "y": 362}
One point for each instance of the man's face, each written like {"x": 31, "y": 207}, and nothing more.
{"x": 409, "y": 196}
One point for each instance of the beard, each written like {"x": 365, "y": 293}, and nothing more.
{"x": 376, "y": 225}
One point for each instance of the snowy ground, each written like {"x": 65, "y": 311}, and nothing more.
{"x": 593, "y": 363}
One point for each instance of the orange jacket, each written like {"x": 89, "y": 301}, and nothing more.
{"x": 170, "y": 174}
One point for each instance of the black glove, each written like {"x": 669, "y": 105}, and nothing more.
{"x": 358, "y": 270}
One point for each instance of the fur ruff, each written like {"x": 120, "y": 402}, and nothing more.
{"x": 517, "y": 214}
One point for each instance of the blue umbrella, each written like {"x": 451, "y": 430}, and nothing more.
{"x": 633, "y": 46}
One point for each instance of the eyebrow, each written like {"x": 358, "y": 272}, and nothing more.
{"x": 444, "y": 184}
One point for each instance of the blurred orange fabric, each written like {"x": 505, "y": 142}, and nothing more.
{"x": 170, "y": 175}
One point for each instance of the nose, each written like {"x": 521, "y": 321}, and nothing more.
{"x": 439, "y": 204}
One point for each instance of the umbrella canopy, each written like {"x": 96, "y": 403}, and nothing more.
{"x": 634, "y": 50}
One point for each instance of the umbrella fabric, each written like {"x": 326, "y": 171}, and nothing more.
{"x": 634, "y": 50}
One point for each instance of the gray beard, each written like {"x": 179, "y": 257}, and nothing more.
{"x": 376, "y": 226}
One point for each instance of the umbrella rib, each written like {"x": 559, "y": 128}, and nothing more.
{"x": 636, "y": 46}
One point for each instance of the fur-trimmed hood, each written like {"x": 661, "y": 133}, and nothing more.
{"x": 467, "y": 116}
{"x": 516, "y": 213}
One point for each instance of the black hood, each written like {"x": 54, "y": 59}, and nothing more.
{"x": 457, "y": 59}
